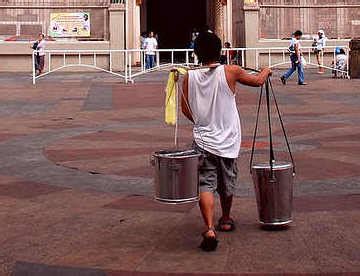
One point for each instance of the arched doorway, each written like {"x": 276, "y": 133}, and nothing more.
{"x": 173, "y": 21}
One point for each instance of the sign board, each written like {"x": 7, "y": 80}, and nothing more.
{"x": 69, "y": 24}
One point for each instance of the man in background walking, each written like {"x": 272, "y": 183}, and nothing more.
{"x": 296, "y": 60}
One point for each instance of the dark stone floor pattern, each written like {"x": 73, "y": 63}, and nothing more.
{"x": 76, "y": 182}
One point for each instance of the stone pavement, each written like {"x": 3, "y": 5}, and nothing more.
{"x": 76, "y": 183}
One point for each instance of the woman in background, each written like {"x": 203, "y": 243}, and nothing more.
{"x": 39, "y": 46}
{"x": 319, "y": 44}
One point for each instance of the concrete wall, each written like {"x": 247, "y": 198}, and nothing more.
{"x": 107, "y": 22}
{"x": 277, "y": 22}
{"x": 32, "y": 21}
{"x": 238, "y": 23}
{"x": 16, "y": 56}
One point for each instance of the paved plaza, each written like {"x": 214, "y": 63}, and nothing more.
{"x": 76, "y": 183}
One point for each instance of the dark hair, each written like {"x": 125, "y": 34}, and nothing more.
{"x": 208, "y": 47}
{"x": 298, "y": 33}
{"x": 342, "y": 51}
{"x": 227, "y": 44}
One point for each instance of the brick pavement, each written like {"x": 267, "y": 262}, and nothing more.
{"x": 76, "y": 184}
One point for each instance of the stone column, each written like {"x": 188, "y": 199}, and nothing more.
{"x": 227, "y": 20}
{"x": 133, "y": 36}
{"x": 229, "y": 23}
{"x": 251, "y": 20}
{"x": 219, "y": 19}
{"x": 117, "y": 35}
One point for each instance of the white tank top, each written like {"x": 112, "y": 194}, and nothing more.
{"x": 217, "y": 124}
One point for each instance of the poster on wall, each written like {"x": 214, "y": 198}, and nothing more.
{"x": 70, "y": 24}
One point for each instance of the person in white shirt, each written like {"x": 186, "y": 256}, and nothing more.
{"x": 319, "y": 44}
{"x": 39, "y": 46}
{"x": 143, "y": 36}
{"x": 341, "y": 62}
{"x": 150, "y": 45}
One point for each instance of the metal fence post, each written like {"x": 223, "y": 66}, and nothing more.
{"x": 110, "y": 60}
{"x": 33, "y": 68}
{"x": 49, "y": 63}
{"x": 126, "y": 66}
{"x": 157, "y": 58}
{"x": 242, "y": 58}
{"x": 130, "y": 71}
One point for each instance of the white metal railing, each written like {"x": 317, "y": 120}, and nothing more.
{"x": 164, "y": 59}
{"x": 65, "y": 55}
{"x": 281, "y": 55}
{"x": 131, "y": 64}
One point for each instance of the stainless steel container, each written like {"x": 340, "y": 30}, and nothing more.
{"x": 274, "y": 192}
{"x": 176, "y": 176}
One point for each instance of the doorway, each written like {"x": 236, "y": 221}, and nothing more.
{"x": 173, "y": 21}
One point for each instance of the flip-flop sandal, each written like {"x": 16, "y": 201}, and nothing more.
{"x": 209, "y": 243}
{"x": 222, "y": 223}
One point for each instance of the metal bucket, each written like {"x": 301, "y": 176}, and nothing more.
{"x": 274, "y": 192}
{"x": 176, "y": 176}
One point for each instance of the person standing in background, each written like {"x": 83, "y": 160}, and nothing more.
{"x": 150, "y": 45}
{"x": 143, "y": 36}
{"x": 319, "y": 44}
{"x": 341, "y": 63}
{"x": 227, "y": 56}
{"x": 194, "y": 35}
{"x": 296, "y": 60}
{"x": 39, "y": 46}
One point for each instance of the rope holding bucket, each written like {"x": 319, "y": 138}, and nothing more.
{"x": 269, "y": 91}
{"x": 176, "y": 172}
{"x": 273, "y": 180}
{"x": 176, "y": 79}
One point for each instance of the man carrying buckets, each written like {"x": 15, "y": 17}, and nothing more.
{"x": 209, "y": 102}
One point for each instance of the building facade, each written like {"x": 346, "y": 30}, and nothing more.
{"x": 117, "y": 24}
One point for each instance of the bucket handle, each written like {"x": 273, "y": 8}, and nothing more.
{"x": 269, "y": 88}
{"x": 283, "y": 128}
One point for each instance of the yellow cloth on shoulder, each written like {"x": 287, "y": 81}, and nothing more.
{"x": 170, "y": 99}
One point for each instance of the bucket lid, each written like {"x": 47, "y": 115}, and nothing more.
{"x": 177, "y": 153}
{"x": 277, "y": 165}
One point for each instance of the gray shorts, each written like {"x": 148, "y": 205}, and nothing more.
{"x": 217, "y": 174}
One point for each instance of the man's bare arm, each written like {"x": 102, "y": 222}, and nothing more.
{"x": 185, "y": 107}
{"x": 255, "y": 80}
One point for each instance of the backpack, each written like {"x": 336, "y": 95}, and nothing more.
{"x": 35, "y": 45}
